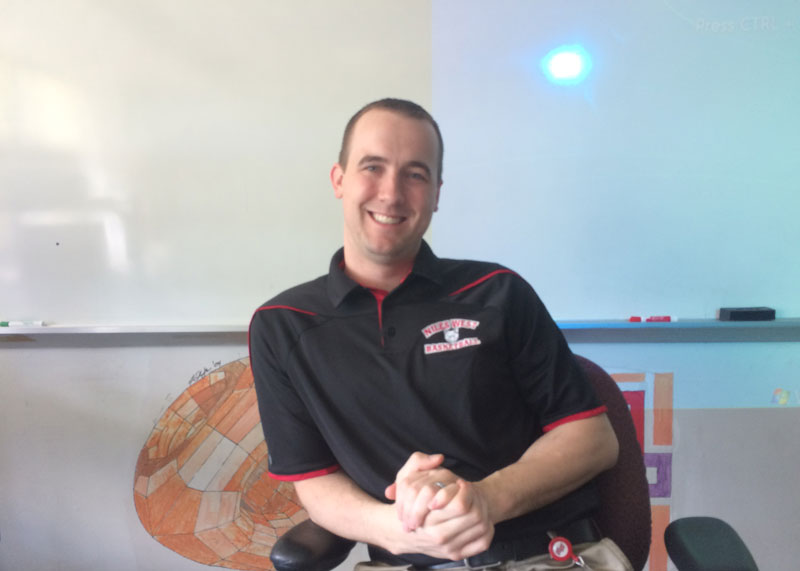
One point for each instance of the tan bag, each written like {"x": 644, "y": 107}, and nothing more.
{"x": 603, "y": 555}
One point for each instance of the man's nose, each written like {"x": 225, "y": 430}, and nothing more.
{"x": 391, "y": 189}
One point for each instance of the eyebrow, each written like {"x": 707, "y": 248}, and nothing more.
{"x": 371, "y": 159}
{"x": 382, "y": 160}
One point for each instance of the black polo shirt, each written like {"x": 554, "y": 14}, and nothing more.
{"x": 462, "y": 359}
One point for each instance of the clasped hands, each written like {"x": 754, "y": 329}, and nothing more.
{"x": 442, "y": 515}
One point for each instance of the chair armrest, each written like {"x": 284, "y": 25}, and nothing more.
{"x": 706, "y": 544}
{"x": 309, "y": 547}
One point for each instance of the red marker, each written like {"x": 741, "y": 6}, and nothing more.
{"x": 661, "y": 319}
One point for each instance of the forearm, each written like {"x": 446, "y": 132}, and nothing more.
{"x": 336, "y": 503}
{"x": 557, "y": 463}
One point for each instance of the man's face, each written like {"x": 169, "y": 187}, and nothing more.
{"x": 389, "y": 187}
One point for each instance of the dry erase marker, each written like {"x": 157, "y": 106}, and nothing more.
{"x": 661, "y": 319}
{"x": 21, "y": 323}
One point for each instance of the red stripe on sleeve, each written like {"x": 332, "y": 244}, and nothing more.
{"x": 481, "y": 280}
{"x": 573, "y": 417}
{"x": 306, "y": 476}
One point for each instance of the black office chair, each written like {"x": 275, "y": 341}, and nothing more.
{"x": 624, "y": 492}
{"x": 693, "y": 544}
{"x": 706, "y": 544}
{"x": 309, "y": 547}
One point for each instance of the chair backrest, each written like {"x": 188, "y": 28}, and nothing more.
{"x": 625, "y": 494}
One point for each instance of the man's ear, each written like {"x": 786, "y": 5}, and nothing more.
{"x": 337, "y": 173}
{"x": 438, "y": 192}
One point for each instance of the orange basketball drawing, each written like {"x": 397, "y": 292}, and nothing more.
{"x": 201, "y": 486}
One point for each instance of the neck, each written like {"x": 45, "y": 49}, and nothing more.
{"x": 377, "y": 275}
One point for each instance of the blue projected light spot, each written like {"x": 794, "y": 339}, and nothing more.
{"x": 567, "y": 65}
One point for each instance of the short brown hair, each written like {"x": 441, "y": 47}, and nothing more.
{"x": 402, "y": 107}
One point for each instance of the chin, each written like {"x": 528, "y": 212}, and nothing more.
{"x": 390, "y": 252}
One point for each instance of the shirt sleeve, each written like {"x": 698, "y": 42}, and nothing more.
{"x": 550, "y": 377}
{"x": 296, "y": 448}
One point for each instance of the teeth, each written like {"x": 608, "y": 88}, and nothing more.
{"x": 383, "y": 219}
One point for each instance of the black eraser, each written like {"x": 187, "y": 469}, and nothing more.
{"x": 746, "y": 314}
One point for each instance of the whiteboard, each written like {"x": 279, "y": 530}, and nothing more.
{"x": 665, "y": 184}
{"x": 167, "y": 162}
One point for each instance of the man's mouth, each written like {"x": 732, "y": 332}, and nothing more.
{"x": 385, "y": 219}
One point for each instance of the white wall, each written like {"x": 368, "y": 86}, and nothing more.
{"x": 72, "y": 424}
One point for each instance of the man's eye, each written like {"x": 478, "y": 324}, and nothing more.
{"x": 419, "y": 176}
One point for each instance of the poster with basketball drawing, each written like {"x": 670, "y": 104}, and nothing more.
{"x": 201, "y": 486}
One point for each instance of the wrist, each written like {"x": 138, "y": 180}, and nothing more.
{"x": 498, "y": 498}
{"x": 385, "y": 530}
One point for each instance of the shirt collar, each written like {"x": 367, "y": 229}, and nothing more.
{"x": 426, "y": 265}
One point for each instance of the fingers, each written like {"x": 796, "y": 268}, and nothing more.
{"x": 419, "y": 502}
{"x": 457, "y": 500}
{"x": 418, "y": 462}
{"x": 461, "y": 528}
{"x": 469, "y": 541}
{"x": 414, "y": 496}
{"x": 443, "y": 496}
{"x": 416, "y": 486}
{"x": 455, "y": 539}
{"x": 422, "y": 492}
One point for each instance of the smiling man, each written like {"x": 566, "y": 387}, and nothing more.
{"x": 388, "y": 179}
{"x": 428, "y": 407}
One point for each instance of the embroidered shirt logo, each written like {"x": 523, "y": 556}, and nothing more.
{"x": 452, "y": 335}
